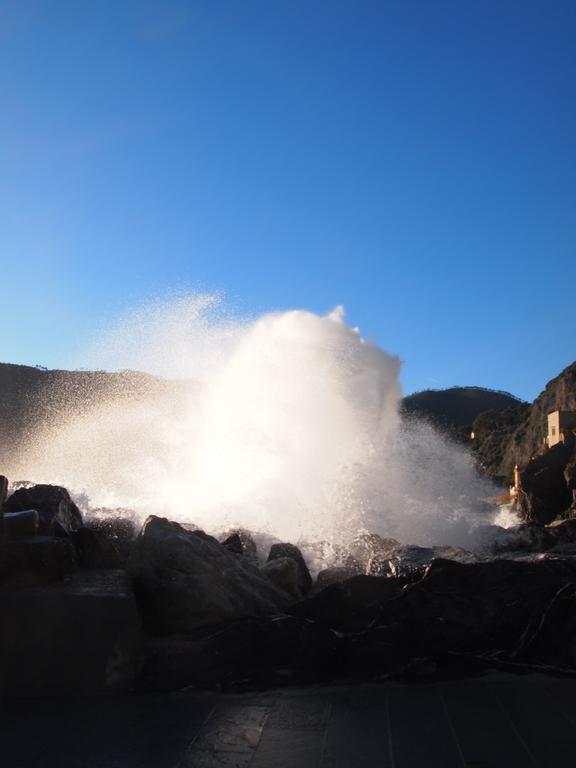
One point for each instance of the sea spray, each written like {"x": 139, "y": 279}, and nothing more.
{"x": 286, "y": 425}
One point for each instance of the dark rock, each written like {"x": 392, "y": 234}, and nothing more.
{"x": 241, "y": 543}
{"x": 550, "y": 639}
{"x": 469, "y": 611}
{"x": 529, "y": 537}
{"x": 284, "y": 573}
{"x": 334, "y": 575}
{"x": 370, "y": 547}
{"x": 290, "y": 550}
{"x": 21, "y": 525}
{"x": 249, "y": 652}
{"x": 80, "y": 637}
{"x": 95, "y": 550}
{"x": 570, "y": 477}
{"x": 408, "y": 560}
{"x": 473, "y": 607}
{"x": 349, "y": 606}
{"x": 38, "y": 560}
{"x": 3, "y": 492}
{"x": 109, "y": 543}
{"x": 58, "y": 513}
{"x": 186, "y": 580}
{"x": 544, "y": 492}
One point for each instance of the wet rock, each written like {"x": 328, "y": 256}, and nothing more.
{"x": 408, "y": 561}
{"x": 370, "y": 547}
{"x": 249, "y": 652}
{"x": 284, "y": 573}
{"x": 58, "y": 515}
{"x": 290, "y": 550}
{"x": 95, "y": 550}
{"x": 186, "y": 580}
{"x": 529, "y": 537}
{"x": 241, "y": 543}
{"x": 38, "y": 560}
{"x": 533, "y": 537}
{"x": 349, "y": 606}
{"x": 21, "y": 525}
{"x": 112, "y": 539}
{"x": 334, "y": 575}
{"x": 545, "y": 493}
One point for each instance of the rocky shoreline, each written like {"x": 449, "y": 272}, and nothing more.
{"x": 93, "y": 604}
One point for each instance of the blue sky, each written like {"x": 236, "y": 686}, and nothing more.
{"x": 414, "y": 160}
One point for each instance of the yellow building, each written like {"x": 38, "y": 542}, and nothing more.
{"x": 560, "y": 422}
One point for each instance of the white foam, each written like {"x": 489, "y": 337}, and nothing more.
{"x": 292, "y": 430}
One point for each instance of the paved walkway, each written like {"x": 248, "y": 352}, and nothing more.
{"x": 515, "y": 723}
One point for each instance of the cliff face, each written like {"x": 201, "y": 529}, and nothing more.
{"x": 513, "y": 437}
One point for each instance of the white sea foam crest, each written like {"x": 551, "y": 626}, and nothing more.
{"x": 286, "y": 425}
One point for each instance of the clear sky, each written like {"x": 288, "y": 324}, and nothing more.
{"x": 414, "y": 160}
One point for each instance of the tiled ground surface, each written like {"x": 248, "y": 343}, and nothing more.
{"x": 516, "y": 723}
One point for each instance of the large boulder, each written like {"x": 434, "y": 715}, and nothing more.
{"x": 284, "y": 573}
{"x": 474, "y": 608}
{"x": 349, "y": 606}
{"x": 304, "y": 580}
{"x": 186, "y": 580}
{"x": 58, "y": 514}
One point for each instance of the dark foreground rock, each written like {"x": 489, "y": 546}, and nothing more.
{"x": 351, "y": 605}
{"x": 458, "y": 619}
{"x": 546, "y": 487}
{"x": 38, "y": 560}
{"x": 21, "y": 525}
{"x": 79, "y": 637}
{"x": 104, "y": 542}
{"x": 58, "y": 514}
{"x": 186, "y": 580}
{"x": 480, "y": 609}
{"x": 253, "y": 652}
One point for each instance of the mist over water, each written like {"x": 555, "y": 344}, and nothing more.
{"x": 286, "y": 425}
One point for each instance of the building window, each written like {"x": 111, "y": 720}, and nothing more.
{"x": 553, "y": 431}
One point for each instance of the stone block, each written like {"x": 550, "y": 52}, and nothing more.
{"x": 75, "y": 638}
{"x": 38, "y": 560}
{"x": 21, "y": 525}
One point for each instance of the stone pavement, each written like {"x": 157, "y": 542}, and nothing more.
{"x": 486, "y": 723}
